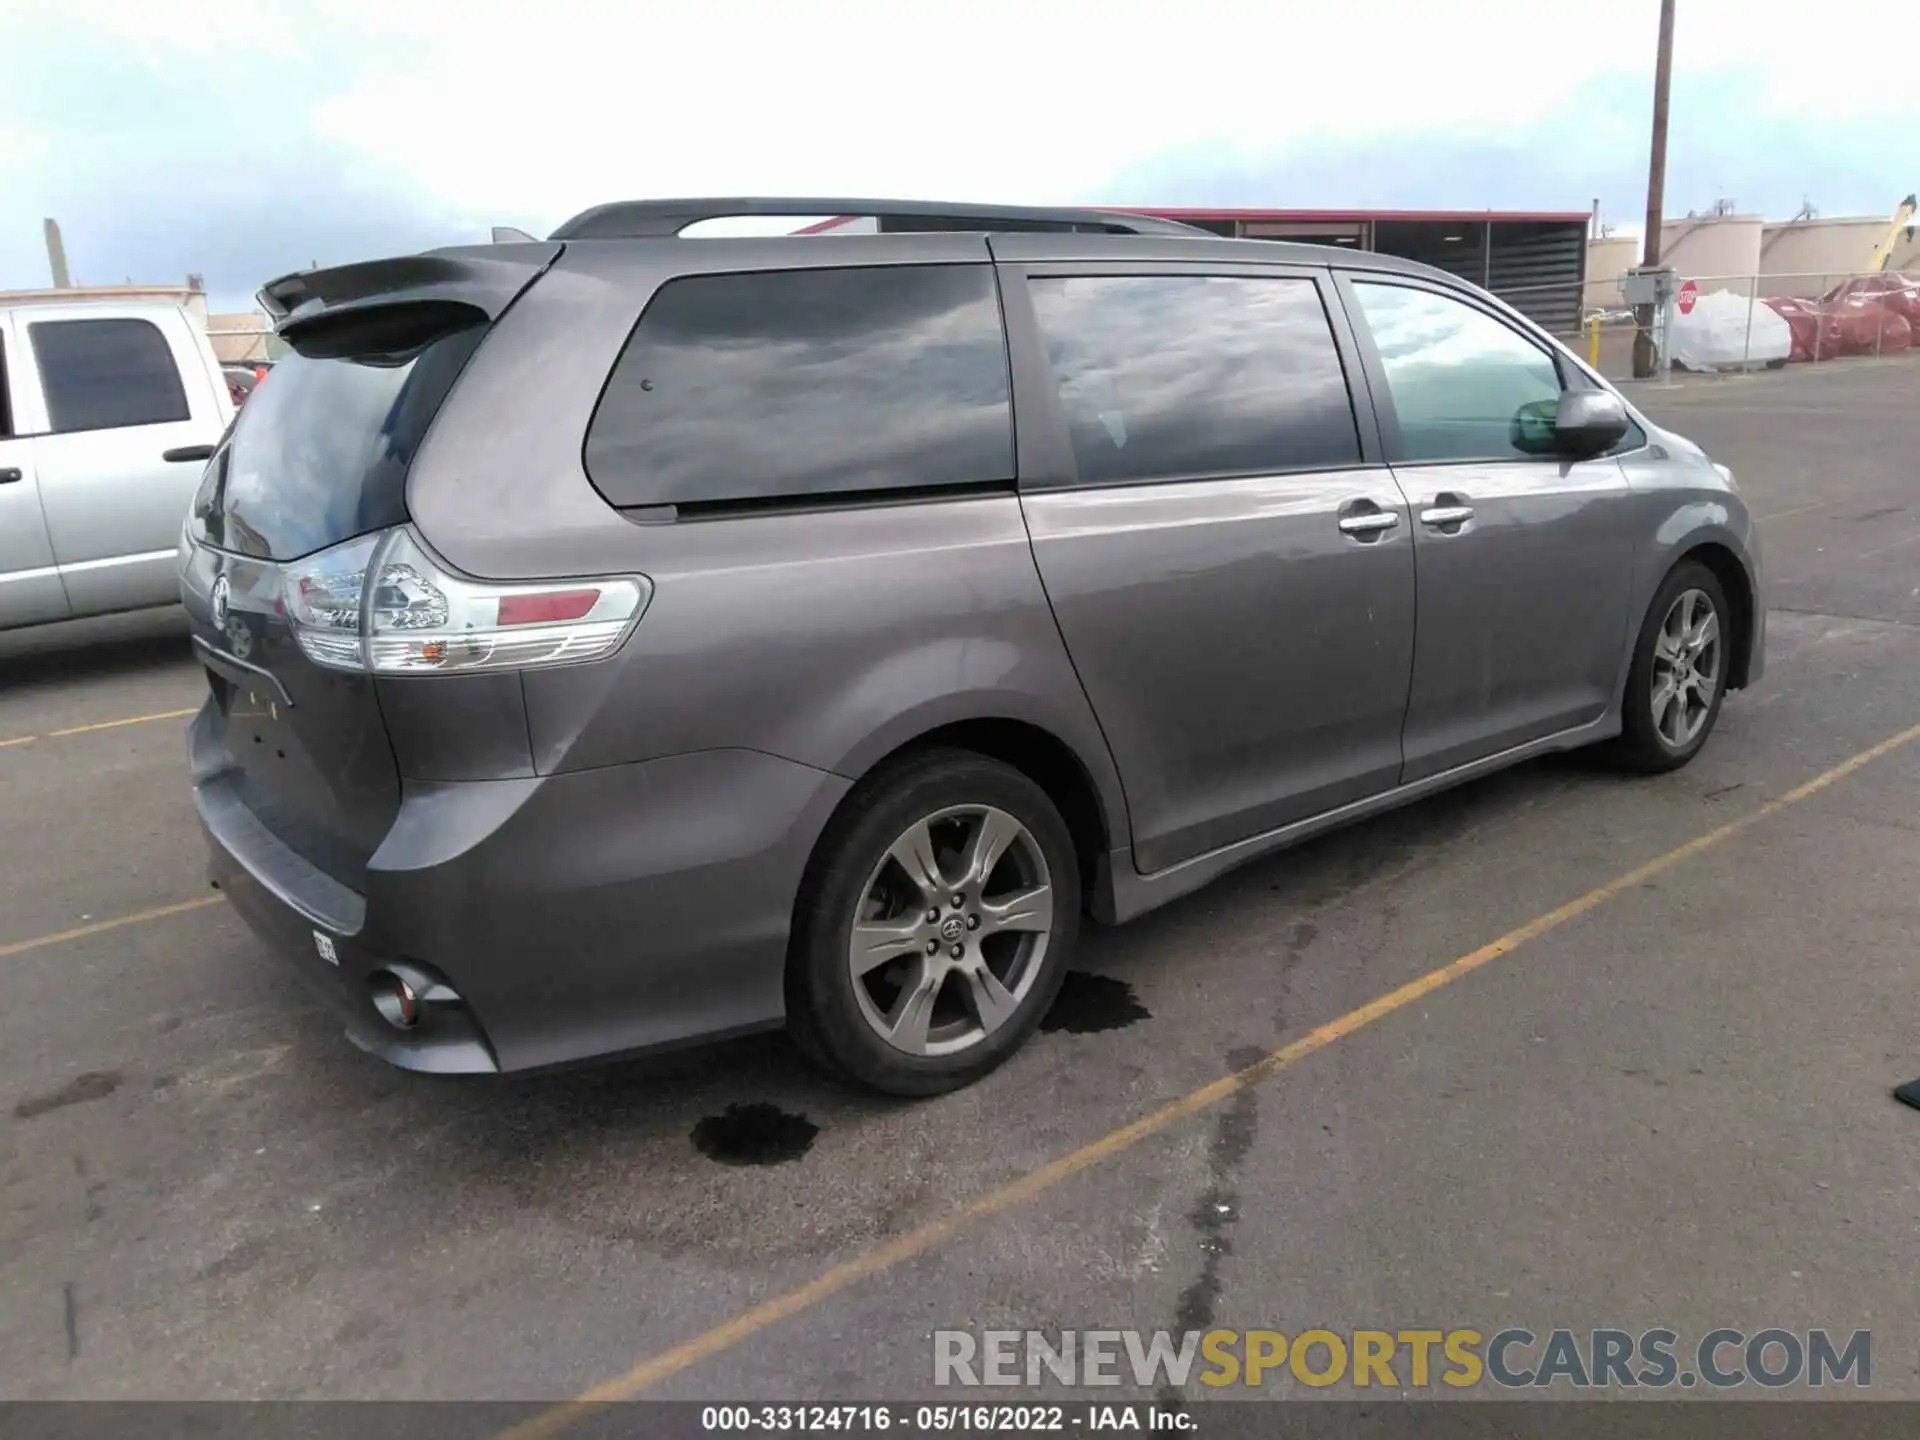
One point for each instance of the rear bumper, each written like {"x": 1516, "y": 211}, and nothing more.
{"x": 578, "y": 915}
{"x": 447, "y": 1041}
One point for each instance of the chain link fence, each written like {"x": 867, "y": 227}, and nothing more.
{"x": 1730, "y": 324}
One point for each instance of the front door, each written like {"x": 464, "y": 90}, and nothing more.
{"x": 30, "y": 589}
{"x": 1524, "y": 557}
{"x": 126, "y": 444}
{"x": 1235, "y": 587}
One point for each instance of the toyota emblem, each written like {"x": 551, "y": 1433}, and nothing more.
{"x": 222, "y": 597}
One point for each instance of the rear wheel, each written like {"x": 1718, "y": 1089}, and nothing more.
{"x": 937, "y": 923}
{"x": 1679, "y": 674}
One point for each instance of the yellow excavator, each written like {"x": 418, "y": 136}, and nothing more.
{"x": 1904, "y": 223}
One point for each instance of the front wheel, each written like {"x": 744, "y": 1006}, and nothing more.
{"x": 937, "y": 924}
{"x": 1679, "y": 674}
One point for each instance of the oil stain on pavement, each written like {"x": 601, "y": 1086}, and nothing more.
{"x": 1218, "y": 1208}
{"x": 94, "y": 1085}
{"x": 754, "y": 1134}
{"x": 1088, "y": 1004}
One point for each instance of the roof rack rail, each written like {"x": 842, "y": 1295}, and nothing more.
{"x": 633, "y": 219}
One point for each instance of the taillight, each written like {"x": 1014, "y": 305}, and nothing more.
{"x": 380, "y": 604}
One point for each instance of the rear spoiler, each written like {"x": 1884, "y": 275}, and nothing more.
{"x": 481, "y": 278}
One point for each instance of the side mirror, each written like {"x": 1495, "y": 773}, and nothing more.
{"x": 1589, "y": 422}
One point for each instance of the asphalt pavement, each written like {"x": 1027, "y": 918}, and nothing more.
{"x": 1660, "y": 1099}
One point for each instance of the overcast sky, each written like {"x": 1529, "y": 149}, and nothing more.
{"x": 248, "y": 138}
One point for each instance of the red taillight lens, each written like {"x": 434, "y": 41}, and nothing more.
{"x": 380, "y": 603}
{"x": 555, "y": 605}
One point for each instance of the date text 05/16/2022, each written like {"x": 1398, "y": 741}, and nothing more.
{"x": 919, "y": 1419}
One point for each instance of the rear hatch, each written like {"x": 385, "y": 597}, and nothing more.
{"x": 318, "y": 457}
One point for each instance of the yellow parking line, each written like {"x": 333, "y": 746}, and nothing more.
{"x": 750, "y": 1322}
{"x": 99, "y": 725}
{"x": 119, "y": 922}
{"x": 116, "y": 724}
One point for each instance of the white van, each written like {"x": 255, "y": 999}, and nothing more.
{"x": 109, "y": 411}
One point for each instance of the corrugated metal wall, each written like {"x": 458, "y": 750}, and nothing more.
{"x": 1536, "y": 266}
{"x": 1539, "y": 268}
{"x": 1465, "y": 256}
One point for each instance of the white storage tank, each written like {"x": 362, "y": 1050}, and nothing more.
{"x": 1716, "y": 252}
{"x": 1809, "y": 257}
{"x": 1608, "y": 258}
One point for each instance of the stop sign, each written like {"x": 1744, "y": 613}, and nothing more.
{"x": 1689, "y": 293}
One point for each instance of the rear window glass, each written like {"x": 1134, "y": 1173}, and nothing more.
{"x": 106, "y": 374}
{"x": 800, "y": 383}
{"x": 320, "y": 452}
{"x": 1166, "y": 377}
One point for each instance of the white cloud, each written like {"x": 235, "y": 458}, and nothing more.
{"x": 164, "y": 30}
{"x": 21, "y": 149}
{"x": 543, "y": 111}
{"x": 244, "y": 137}
{"x": 532, "y": 111}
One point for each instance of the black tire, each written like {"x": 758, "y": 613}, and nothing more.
{"x": 1642, "y": 746}
{"x": 825, "y": 1015}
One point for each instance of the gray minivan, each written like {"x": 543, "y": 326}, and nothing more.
{"x": 627, "y": 639}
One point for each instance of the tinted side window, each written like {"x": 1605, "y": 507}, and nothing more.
{"x": 1179, "y": 376}
{"x": 795, "y": 383}
{"x": 103, "y": 374}
{"x": 1464, "y": 385}
{"x": 6, "y": 407}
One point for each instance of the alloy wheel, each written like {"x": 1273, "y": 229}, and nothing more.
{"x": 951, "y": 930}
{"x": 1686, "y": 668}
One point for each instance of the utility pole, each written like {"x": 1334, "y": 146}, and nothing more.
{"x": 56, "y": 254}
{"x": 1644, "y": 356}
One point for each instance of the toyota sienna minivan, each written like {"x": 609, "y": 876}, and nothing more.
{"x": 627, "y": 639}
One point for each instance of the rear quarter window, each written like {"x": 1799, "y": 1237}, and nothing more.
{"x": 106, "y": 374}
{"x": 798, "y": 384}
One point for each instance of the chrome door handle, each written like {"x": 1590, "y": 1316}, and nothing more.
{"x": 1446, "y": 515}
{"x": 1368, "y": 524}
